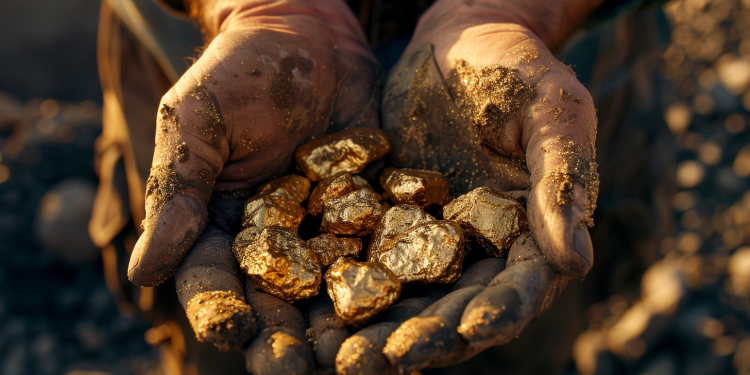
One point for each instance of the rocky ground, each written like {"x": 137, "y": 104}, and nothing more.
{"x": 56, "y": 314}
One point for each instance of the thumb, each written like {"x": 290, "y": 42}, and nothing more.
{"x": 191, "y": 149}
{"x": 561, "y": 157}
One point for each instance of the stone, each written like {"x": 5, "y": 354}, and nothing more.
{"x": 395, "y": 221}
{"x": 422, "y": 188}
{"x": 293, "y": 186}
{"x": 330, "y": 188}
{"x": 279, "y": 262}
{"x": 361, "y": 290}
{"x": 488, "y": 217}
{"x": 348, "y": 150}
{"x": 329, "y": 248}
{"x": 354, "y": 214}
{"x": 267, "y": 210}
{"x": 430, "y": 252}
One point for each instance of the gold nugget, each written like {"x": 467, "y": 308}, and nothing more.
{"x": 221, "y": 318}
{"x": 265, "y": 211}
{"x": 330, "y": 188}
{"x": 294, "y": 187}
{"x": 280, "y": 263}
{"x": 354, "y": 214}
{"x": 329, "y": 248}
{"x": 430, "y": 252}
{"x": 361, "y": 290}
{"x": 344, "y": 151}
{"x": 422, "y": 188}
{"x": 489, "y": 217}
{"x": 395, "y": 221}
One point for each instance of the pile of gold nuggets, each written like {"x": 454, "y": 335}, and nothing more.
{"x": 406, "y": 245}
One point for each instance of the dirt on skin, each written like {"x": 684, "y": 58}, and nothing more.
{"x": 578, "y": 166}
{"x": 221, "y": 318}
{"x": 489, "y": 97}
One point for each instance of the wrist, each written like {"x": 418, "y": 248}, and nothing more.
{"x": 550, "y": 20}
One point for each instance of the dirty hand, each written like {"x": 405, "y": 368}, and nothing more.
{"x": 479, "y": 96}
{"x": 273, "y": 75}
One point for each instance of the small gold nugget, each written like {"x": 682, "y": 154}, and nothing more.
{"x": 221, "y": 318}
{"x": 430, "y": 252}
{"x": 361, "y": 290}
{"x": 333, "y": 187}
{"x": 354, "y": 214}
{"x": 280, "y": 263}
{"x": 489, "y": 217}
{"x": 329, "y": 248}
{"x": 422, "y": 188}
{"x": 293, "y": 186}
{"x": 348, "y": 150}
{"x": 265, "y": 211}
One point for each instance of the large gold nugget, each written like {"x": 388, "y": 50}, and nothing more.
{"x": 293, "y": 186}
{"x": 488, "y": 217}
{"x": 361, "y": 290}
{"x": 329, "y": 248}
{"x": 431, "y": 252}
{"x": 344, "y": 151}
{"x": 280, "y": 263}
{"x": 422, "y": 188}
{"x": 264, "y": 211}
{"x": 354, "y": 214}
{"x": 395, "y": 221}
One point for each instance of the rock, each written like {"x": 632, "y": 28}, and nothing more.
{"x": 279, "y": 262}
{"x": 422, "y": 188}
{"x": 431, "y": 252}
{"x": 264, "y": 211}
{"x": 329, "y": 248}
{"x": 361, "y": 290}
{"x": 395, "y": 221}
{"x": 330, "y": 188}
{"x": 348, "y": 150}
{"x": 62, "y": 221}
{"x": 354, "y": 214}
{"x": 293, "y": 186}
{"x": 488, "y": 217}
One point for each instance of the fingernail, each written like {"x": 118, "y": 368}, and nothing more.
{"x": 582, "y": 243}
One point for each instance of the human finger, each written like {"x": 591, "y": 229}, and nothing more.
{"x": 559, "y": 135}
{"x": 210, "y": 291}
{"x": 431, "y": 338}
{"x": 191, "y": 149}
{"x": 327, "y": 332}
{"x": 362, "y": 353}
{"x": 526, "y": 289}
{"x": 280, "y": 346}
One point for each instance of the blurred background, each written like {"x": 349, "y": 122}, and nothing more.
{"x": 677, "y": 261}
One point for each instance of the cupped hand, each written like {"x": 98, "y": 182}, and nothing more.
{"x": 275, "y": 74}
{"x": 478, "y": 96}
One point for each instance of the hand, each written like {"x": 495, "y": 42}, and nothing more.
{"x": 478, "y": 96}
{"x": 273, "y": 75}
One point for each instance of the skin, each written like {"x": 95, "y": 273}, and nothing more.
{"x": 276, "y": 73}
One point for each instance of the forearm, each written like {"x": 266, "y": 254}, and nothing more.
{"x": 552, "y": 21}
